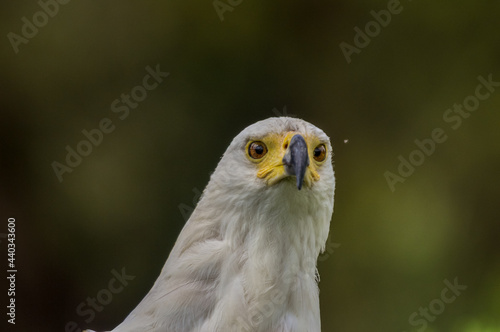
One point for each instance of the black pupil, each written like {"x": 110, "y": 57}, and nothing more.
{"x": 317, "y": 152}
{"x": 259, "y": 149}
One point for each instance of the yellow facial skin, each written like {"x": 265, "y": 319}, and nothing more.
{"x": 270, "y": 167}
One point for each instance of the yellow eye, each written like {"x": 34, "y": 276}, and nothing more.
{"x": 319, "y": 153}
{"x": 257, "y": 150}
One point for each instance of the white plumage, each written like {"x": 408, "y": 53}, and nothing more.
{"x": 246, "y": 258}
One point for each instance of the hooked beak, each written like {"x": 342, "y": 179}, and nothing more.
{"x": 296, "y": 159}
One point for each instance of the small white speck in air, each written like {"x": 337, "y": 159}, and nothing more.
{"x": 346, "y": 141}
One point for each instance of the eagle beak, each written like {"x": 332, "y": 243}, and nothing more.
{"x": 296, "y": 159}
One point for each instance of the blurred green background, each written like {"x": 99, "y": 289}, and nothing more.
{"x": 125, "y": 204}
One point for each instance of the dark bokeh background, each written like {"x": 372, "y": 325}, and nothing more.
{"x": 123, "y": 207}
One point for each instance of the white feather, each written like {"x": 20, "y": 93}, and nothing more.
{"x": 246, "y": 258}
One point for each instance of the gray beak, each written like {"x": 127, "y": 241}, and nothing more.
{"x": 296, "y": 159}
